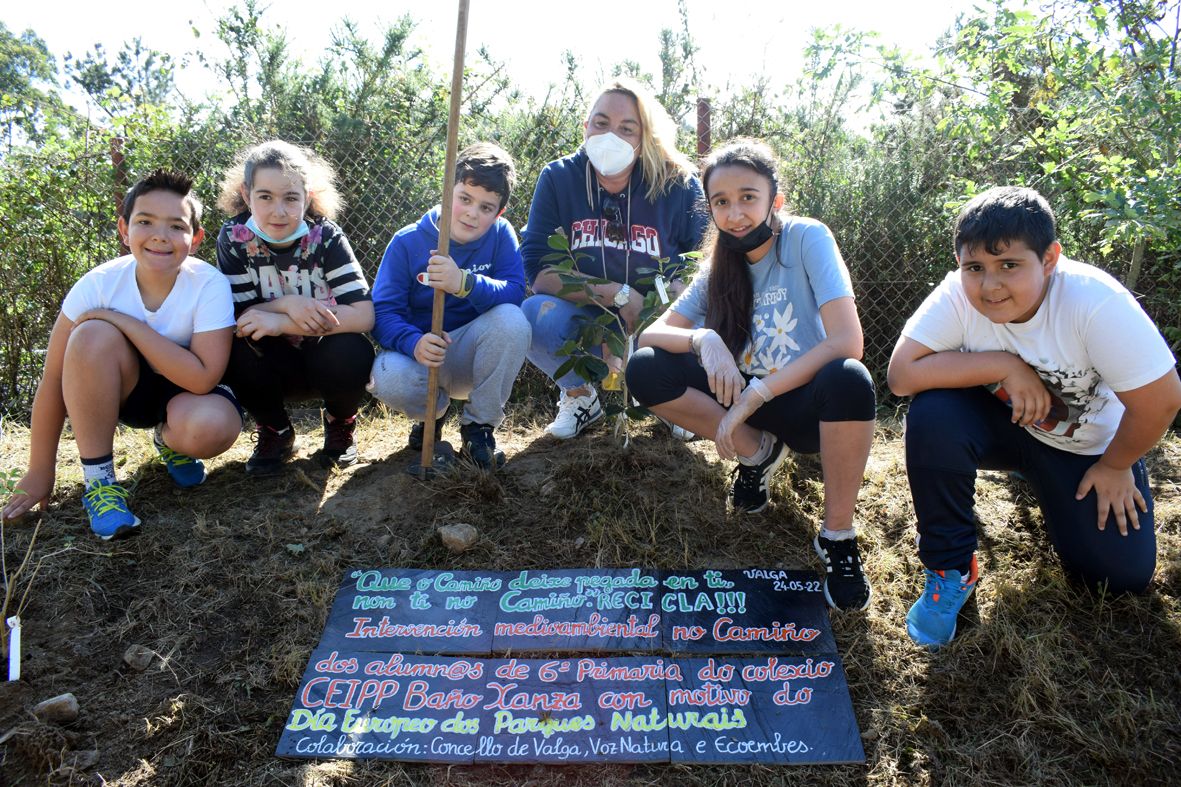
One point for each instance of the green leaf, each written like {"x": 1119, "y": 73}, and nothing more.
{"x": 558, "y": 241}
{"x": 565, "y": 368}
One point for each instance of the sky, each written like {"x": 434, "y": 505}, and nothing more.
{"x": 737, "y": 40}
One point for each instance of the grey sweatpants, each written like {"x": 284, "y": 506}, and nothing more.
{"x": 481, "y": 365}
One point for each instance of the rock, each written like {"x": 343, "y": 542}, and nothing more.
{"x": 61, "y": 709}
{"x": 138, "y": 657}
{"x": 578, "y": 542}
{"x": 459, "y": 537}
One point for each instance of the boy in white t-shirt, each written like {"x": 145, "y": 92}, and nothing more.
{"x": 142, "y": 339}
{"x": 1025, "y": 360}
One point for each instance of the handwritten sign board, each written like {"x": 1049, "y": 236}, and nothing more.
{"x": 579, "y": 610}
{"x": 591, "y": 709}
{"x": 405, "y": 669}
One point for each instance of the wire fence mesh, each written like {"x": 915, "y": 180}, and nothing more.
{"x": 891, "y": 216}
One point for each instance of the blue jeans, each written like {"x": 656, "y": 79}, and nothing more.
{"x": 556, "y": 321}
{"x": 951, "y": 433}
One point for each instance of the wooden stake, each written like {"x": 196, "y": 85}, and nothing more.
{"x": 432, "y": 382}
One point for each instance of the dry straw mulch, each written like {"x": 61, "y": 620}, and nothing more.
{"x": 229, "y": 585}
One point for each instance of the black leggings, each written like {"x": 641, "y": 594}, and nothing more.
{"x": 266, "y": 372}
{"x": 841, "y": 391}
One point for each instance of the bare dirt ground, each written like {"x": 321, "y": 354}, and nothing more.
{"x": 228, "y": 586}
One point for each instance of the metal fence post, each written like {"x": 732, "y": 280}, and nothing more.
{"x": 703, "y": 130}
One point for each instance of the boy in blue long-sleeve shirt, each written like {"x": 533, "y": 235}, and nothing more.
{"x": 485, "y": 335}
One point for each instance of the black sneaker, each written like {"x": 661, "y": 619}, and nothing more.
{"x": 272, "y": 448}
{"x": 845, "y": 587}
{"x": 415, "y": 441}
{"x": 340, "y": 448}
{"x": 479, "y": 446}
{"x": 750, "y": 490}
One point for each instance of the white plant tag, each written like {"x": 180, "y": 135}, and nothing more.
{"x": 14, "y": 648}
{"x": 661, "y": 290}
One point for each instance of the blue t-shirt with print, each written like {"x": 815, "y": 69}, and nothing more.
{"x": 803, "y": 271}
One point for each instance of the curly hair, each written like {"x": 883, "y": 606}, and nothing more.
{"x": 316, "y": 174}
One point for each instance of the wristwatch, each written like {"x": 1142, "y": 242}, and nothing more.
{"x": 623, "y": 297}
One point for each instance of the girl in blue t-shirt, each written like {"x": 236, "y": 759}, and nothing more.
{"x": 775, "y": 366}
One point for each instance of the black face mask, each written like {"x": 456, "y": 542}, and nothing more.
{"x": 748, "y": 242}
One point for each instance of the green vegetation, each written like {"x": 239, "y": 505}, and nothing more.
{"x": 1081, "y": 101}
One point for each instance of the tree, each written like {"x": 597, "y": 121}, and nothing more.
{"x": 29, "y": 106}
{"x": 136, "y": 79}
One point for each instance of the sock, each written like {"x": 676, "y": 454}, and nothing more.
{"x": 838, "y": 535}
{"x": 158, "y": 437}
{"x": 98, "y": 470}
{"x": 766, "y": 442}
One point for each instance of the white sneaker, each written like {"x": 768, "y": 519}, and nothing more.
{"x": 575, "y": 413}
{"x": 678, "y": 432}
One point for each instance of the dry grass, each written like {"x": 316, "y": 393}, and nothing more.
{"x": 230, "y": 585}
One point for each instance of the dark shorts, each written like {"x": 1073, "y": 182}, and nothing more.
{"x": 147, "y": 404}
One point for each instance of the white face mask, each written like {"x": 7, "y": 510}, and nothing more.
{"x": 609, "y": 154}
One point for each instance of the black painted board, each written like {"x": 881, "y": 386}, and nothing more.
{"x": 414, "y": 611}
{"x": 745, "y": 611}
{"x": 392, "y": 706}
{"x": 785, "y": 710}
{"x": 582, "y": 610}
{"x": 552, "y": 711}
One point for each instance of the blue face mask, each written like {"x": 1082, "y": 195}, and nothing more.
{"x": 298, "y": 233}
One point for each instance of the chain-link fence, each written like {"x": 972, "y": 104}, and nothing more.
{"x": 891, "y": 215}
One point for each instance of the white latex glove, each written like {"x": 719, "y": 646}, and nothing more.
{"x": 744, "y": 408}
{"x": 725, "y": 381}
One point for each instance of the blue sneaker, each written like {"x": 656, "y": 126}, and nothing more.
{"x": 106, "y": 505}
{"x": 931, "y": 621}
{"x": 184, "y": 470}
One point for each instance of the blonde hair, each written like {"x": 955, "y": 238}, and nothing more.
{"x": 317, "y": 175}
{"x": 660, "y": 161}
